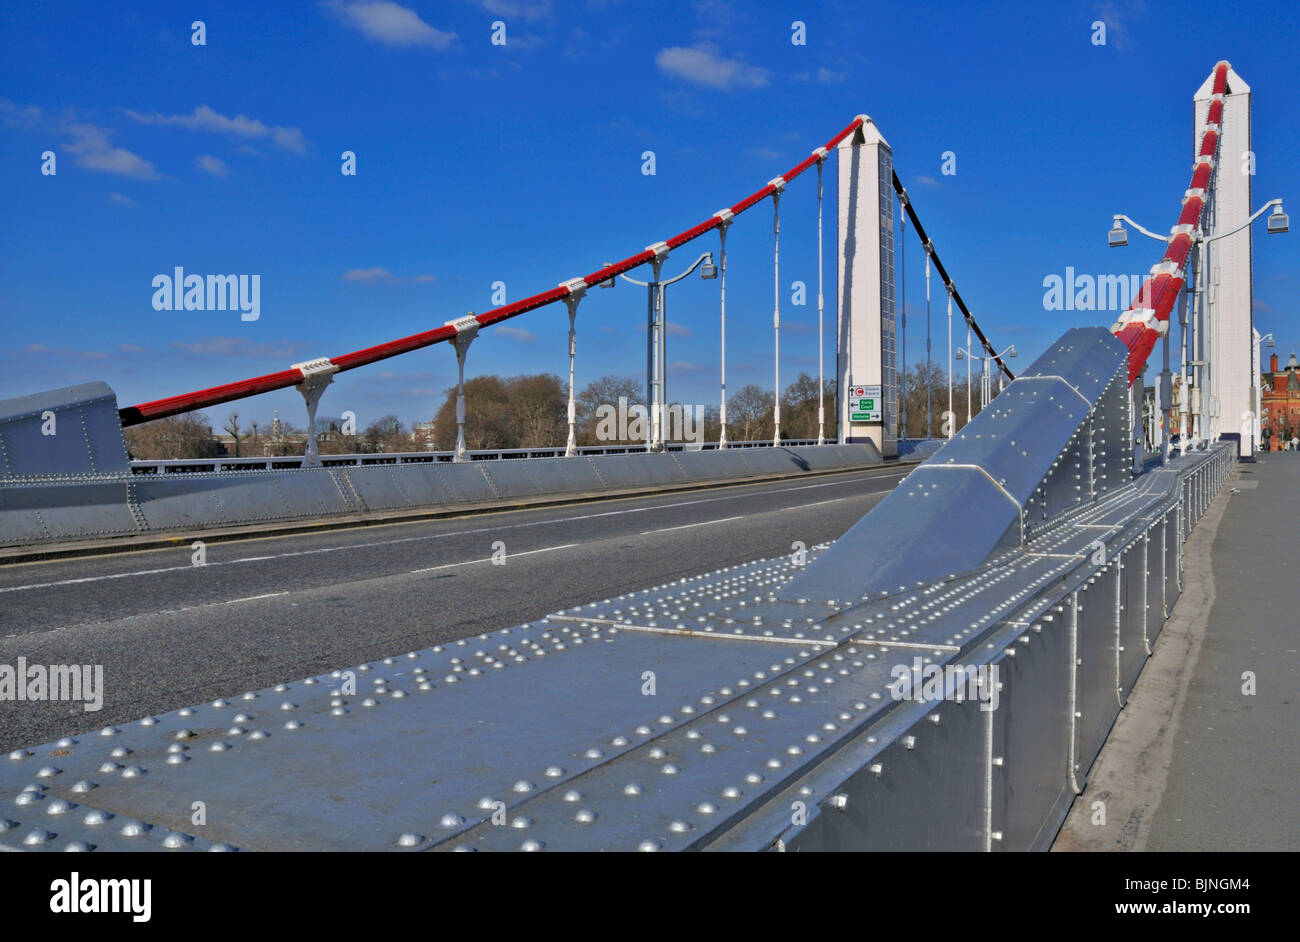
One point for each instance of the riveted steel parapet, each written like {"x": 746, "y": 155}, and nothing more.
{"x": 727, "y": 716}
{"x": 1052, "y": 442}
{"x": 1060, "y": 646}
{"x": 61, "y": 432}
{"x": 66, "y": 506}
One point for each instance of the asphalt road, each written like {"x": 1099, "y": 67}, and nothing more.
{"x": 270, "y": 610}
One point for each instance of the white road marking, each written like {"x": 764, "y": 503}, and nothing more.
{"x": 116, "y": 575}
{"x": 254, "y": 598}
{"x": 687, "y": 526}
{"x": 190, "y": 608}
{"x": 438, "y": 536}
{"x": 166, "y": 611}
{"x": 488, "y": 559}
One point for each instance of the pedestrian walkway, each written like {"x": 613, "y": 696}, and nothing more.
{"x": 1207, "y": 751}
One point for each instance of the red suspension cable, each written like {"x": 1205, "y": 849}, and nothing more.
{"x": 1147, "y": 319}
{"x": 203, "y": 398}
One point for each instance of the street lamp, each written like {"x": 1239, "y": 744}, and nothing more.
{"x": 1277, "y": 223}
{"x": 1277, "y": 220}
{"x": 1260, "y": 342}
{"x": 657, "y": 338}
{"x": 986, "y": 379}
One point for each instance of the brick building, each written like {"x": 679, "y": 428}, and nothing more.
{"x": 1279, "y": 409}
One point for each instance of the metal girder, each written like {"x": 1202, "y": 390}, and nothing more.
{"x": 708, "y": 713}
{"x": 1054, "y": 440}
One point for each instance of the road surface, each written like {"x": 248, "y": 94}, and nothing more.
{"x": 270, "y": 610}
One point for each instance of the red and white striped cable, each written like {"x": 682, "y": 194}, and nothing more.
{"x": 1147, "y": 319}
{"x": 203, "y": 398}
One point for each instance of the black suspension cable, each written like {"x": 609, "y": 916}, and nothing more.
{"x": 956, "y": 296}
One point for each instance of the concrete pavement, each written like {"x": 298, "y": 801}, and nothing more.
{"x": 1206, "y": 753}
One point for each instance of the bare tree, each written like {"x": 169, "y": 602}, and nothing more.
{"x": 749, "y": 413}
{"x": 178, "y": 436}
{"x": 232, "y": 428}
{"x": 605, "y": 391}
{"x": 799, "y": 408}
{"x": 385, "y": 434}
{"x": 487, "y": 416}
{"x": 538, "y": 406}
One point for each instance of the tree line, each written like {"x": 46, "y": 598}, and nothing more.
{"x": 531, "y": 411}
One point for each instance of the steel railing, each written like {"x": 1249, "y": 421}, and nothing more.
{"x": 290, "y": 462}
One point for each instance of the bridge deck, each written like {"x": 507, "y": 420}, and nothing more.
{"x": 555, "y": 726}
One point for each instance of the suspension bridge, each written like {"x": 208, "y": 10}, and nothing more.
{"x": 941, "y": 675}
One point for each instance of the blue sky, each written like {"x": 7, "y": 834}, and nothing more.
{"x": 522, "y": 164}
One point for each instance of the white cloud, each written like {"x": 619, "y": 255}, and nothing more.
{"x": 679, "y": 330}
{"x": 61, "y": 352}
{"x": 927, "y": 181}
{"x": 368, "y": 275}
{"x": 704, "y": 64}
{"x": 390, "y": 23}
{"x": 240, "y": 347}
{"x": 524, "y": 9}
{"x": 1116, "y": 19}
{"x": 205, "y": 118}
{"x": 121, "y": 199}
{"x": 516, "y": 333}
{"x": 92, "y": 150}
{"x": 16, "y": 115}
{"x": 213, "y": 165}
{"x": 714, "y": 18}
{"x": 88, "y": 143}
{"x": 827, "y": 77}
{"x": 376, "y": 274}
